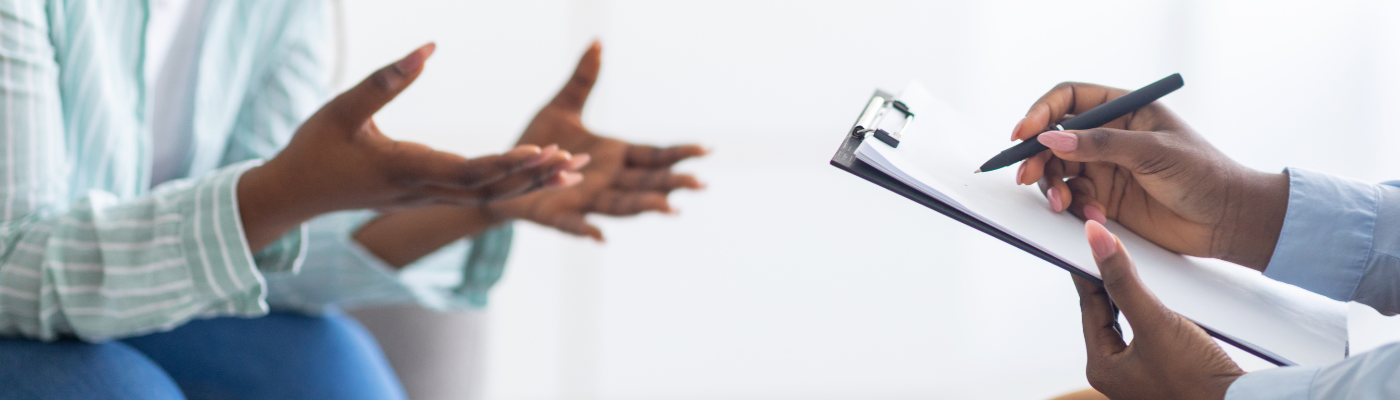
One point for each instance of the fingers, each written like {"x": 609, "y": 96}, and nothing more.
{"x": 1052, "y": 185}
{"x": 576, "y": 91}
{"x": 658, "y": 180}
{"x": 1084, "y": 204}
{"x": 357, "y": 105}
{"x": 1065, "y": 98}
{"x": 1101, "y": 338}
{"x": 1140, "y": 152}
{"x": 575, "y": 224}
{"x": 620, "y": 203}
{"x": 1032, "y": 168}
{"x": 643, "y": 156}
{"x": 422, "y": 163}
{"x": 543, "y": 174}
{"x": 1120, "y": 280}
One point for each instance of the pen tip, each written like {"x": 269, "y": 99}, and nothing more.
{"x": 978, "y": 171}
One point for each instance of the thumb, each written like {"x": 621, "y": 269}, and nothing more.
{"x": 1120, "y": 279}
{"x": 1131, "y": 149}
{"x": 357, "y": 105}
{"x": 575, "y": 93}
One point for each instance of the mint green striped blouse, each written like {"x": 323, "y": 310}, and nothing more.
{"x": 88, "y": 251}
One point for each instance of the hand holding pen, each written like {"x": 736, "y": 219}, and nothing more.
{"x": 1151, "y": 172}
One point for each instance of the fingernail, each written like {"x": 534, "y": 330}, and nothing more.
{"x": 540, "y": 157}
{"x": 1055, "y": 203}
{"x": 579, "y": 161}
{"x": 1101, "y": 242}
{"x": 1020, "y": 172}
{"x": 1094, "y": 214}
{"x": 1062, "y": 141}
{"x": 1017, "y": 128}
{"x": 567, "y": 179}
{"x": 414, "y": 60}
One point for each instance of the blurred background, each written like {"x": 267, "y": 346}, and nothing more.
{"x": 788, "y": 278}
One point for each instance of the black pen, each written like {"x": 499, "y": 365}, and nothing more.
{"x": 1093, "y": 118}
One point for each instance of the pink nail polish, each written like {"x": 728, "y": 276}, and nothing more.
{"x": 414, "y": 60}
{"x": 579, "y": 161}
{"x": 1094, "y": 214}
{"x": 538, "y": 158}
{"x": 572, "y": 178}
{"x": 1021, "y": 172}
{"x": 1017, "y": 128}
{"x": 1054, "y": 196}
{"x": 1061, "y": 141}
{"x": 1101, "y": 242}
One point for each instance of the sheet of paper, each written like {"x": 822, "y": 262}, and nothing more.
{"x": 938, "y": 155}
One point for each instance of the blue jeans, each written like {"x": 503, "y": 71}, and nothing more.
{"x": 280, "y": 356}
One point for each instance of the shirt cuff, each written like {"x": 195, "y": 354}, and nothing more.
{"x": 215, "y": 247}
{"x": 1285, "y": 383}
{"x": 485, "y": 264}
{"x": 1327, "y": 234}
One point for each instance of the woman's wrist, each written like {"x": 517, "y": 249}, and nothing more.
{"x": 1254, "y": 219}
{"x": 402, "y": 237}
{"x": 270, "y": 204}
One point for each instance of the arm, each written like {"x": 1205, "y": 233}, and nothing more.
{"x": 1367, "y": 376}
{"x": 1341, "y": 239}
{"x": 105, "y": 266}
{"x": 100, "y": 266}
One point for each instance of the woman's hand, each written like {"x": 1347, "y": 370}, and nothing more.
{"x": 1152, "y": 173}
{"x": 623, "y": 178}
{"x": 339, "y": 160}
{"x": 1170, "y": 357}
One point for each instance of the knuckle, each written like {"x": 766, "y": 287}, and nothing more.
{"x": 385, "y": 79}
{"x": 582, "y": 80}
{"x": 1100, "y": 138}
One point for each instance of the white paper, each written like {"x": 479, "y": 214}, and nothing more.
{"x": 938, "y": 155}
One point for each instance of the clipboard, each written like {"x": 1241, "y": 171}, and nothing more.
{"x": 880, "y": 106}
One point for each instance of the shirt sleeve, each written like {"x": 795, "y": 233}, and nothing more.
{"x": 341, "y": 273}
{"x": 95, "y": 264}
{"x": 1373, "y": 375}
{"x": 1340, "y": 239}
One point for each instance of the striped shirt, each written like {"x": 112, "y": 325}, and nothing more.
{"x": 87, "y": 250}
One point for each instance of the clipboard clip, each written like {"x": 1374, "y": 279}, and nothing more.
{"x": 875, "y": 112}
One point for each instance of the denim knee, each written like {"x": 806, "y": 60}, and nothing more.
{"x": 77, "y": 370}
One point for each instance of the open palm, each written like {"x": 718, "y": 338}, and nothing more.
{"x": 622, "y": 178}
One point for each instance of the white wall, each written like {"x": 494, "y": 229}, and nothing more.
{"x": 791, "y": 279}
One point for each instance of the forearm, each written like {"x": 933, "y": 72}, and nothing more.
{"x": 1363, "y": 376}
{"x": 270, "y": 207}
{"x": 402, "y": 237}
{"x": 1340, "y": 239}
{"x": 1253, "y": 222}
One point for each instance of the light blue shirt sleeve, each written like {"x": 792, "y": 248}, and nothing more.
{"x": 1340, "y": 239}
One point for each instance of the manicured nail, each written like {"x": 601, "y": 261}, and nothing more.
{"x": 1017, "y": 128}
{"x": 1055, "y": 203}
{"x": 567, "y": 179}
{"x": 579, "y": 161}
{"x": 1020, "y": 172}
{"x": 539, "y": 158}
{"x": 1095, "y": 214}
{"x": 1062, "y": 141}
{"x": 1101, "y": 242}
{"x": 414, "y": 60}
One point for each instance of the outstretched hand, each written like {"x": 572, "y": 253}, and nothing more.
{"x": 339, "y": 160}
{"x": 1170, "y": 357}
{"x": 622, "y": 178}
